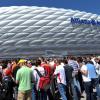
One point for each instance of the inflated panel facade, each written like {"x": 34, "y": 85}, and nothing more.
{"x": 32, "y": 31}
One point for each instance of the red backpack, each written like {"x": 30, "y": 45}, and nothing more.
{"x": 44, "y": 82}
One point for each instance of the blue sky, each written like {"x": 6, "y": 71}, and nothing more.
{"x": 92, "y": 6}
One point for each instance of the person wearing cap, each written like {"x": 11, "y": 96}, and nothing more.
{"x": 24, "y": 78}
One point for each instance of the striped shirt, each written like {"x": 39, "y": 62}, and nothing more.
{"x": 73, "y": 64}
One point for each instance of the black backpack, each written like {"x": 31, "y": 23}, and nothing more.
{"x": 7, "y": 84}
{"x": 68, "y": 72}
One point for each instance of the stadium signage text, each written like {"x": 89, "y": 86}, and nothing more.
{"x": 84, "y": 21}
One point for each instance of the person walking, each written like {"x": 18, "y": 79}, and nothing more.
{"x": 87, "y": 80}
{"x": 61, "y": 79}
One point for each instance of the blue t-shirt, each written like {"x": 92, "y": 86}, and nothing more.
{"x": 91, "y": 70}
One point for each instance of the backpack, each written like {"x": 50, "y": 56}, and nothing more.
{"x": 44, "y": 82}
{"x": 68, "y": 72}
{"x": 7, "y": 88}
{"x": 7, "y": 84}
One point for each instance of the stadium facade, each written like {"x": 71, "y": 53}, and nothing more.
{"x": 34, "y": 31}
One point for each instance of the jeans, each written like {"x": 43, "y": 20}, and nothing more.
{"x": 33, "y": 95}
{"x": 88, "y": 90}
{"x": 75, "y": 88}
{"x": 62, "y": 91}
{"x": 34, "y": 92}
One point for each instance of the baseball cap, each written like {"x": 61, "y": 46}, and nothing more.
{"x": 22, "y": 61}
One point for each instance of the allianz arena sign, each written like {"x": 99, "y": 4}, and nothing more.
{"x": 85, "y": 21}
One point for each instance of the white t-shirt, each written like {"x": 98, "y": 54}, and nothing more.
{"x": 59, "y": 71}
{"x": 85, "y": 78}
{"x": 33, "y": 67}
{"x": 36, "y": 76}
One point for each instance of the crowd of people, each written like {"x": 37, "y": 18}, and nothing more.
{"x": 50, "y": 78}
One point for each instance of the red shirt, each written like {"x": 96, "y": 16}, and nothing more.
{"x": 47, "y": 69}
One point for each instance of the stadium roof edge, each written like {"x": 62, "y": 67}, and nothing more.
{"x": 54, "y": 8}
